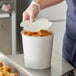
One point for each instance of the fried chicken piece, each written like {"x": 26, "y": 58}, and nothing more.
{"x": 5, "y": 73}
{"x": 35, "y": 34}
{"x": 1, "y": 73}
{"x": 28, "y": 33}
{"x": 6, "y": 68}
{"x": 1, "y": 63}
{"x": 40, "y": 33}
{"x": 45, "y": 33}
{"x": 0, "y": 68}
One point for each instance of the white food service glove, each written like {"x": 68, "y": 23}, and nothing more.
{"x": 31, "y": 12}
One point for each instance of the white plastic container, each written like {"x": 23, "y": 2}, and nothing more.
{"x": 37, "y": 51}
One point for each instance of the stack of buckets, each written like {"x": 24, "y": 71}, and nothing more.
{"x": 37, "y": 50}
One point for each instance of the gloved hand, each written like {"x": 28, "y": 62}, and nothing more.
{"x": 31, "y": 12}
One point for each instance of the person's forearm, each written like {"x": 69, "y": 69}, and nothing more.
{"x": 47, "y": 3}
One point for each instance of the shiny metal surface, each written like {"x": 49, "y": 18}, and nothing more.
{"x": 21, "y": 71}
{"x": 58, "y": 65}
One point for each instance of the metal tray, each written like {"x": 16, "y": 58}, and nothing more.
{"x": 15, "y": 67}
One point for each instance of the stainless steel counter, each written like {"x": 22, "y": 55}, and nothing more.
{"x": 58, "y": 65}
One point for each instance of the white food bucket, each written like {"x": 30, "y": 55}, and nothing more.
{"x": 37, "y": 51}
